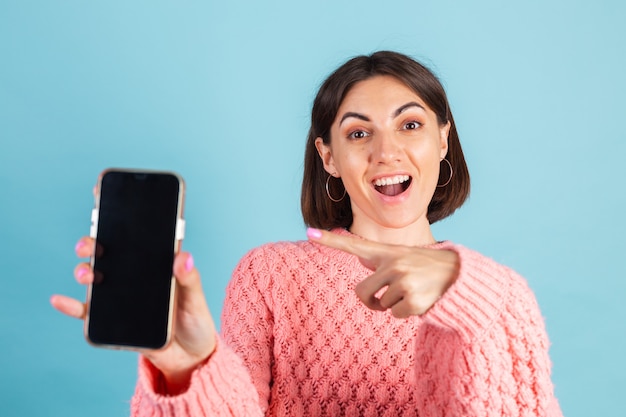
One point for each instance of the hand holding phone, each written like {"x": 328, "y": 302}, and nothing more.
{"x": 193, "y": 338}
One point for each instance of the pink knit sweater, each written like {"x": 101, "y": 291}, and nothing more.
{"x": 297, "y": 342}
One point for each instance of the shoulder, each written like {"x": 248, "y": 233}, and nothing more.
{"x": 295, "y": 253}
{"x": 491, "y": 279}
{"x": 277, "y": 259}
{"x": 485, "y": 293}
{"x": 295, "y": 260}
{"x": 473, "y": 262}
{"x": 278, "y": 252}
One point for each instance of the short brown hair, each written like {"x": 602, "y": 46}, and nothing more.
{"x": 317, "y": 209}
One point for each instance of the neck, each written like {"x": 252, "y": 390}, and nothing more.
{"x": 416, "y": 234}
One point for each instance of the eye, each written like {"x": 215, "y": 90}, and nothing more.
{"x": 412, "y": 125}
{"x": 357, "y": 134}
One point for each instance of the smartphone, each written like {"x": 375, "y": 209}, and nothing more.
{"x": 138, "y": 228}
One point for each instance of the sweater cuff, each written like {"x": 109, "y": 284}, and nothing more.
{"x": 212, "y": 389}
{"x": 475, "y": 300}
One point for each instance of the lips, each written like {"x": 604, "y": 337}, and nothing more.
{"x": 392, "y": 186}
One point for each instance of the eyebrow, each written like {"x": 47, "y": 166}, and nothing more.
{"x": 395, "y": 114}
{"x": 407, "y": 106}
{"x": 355, "y": 115}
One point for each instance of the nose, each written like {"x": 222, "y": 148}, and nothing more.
{"x": 386, "y": 148}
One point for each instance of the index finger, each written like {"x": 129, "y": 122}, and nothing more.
{"x": 370, "y": 253}
{"x": 85, "y": 247}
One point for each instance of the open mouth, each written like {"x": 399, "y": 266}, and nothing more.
{"x": 392, "y": 186}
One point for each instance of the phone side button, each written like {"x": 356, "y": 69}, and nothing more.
{"x": 94, "y": 223}
{"x": 180, "y": 229}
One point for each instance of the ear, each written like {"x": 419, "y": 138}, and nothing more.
{"x": 326, "y": 155}
{"x": 444, "y": 131}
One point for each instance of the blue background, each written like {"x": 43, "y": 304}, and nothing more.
{"x": 221, "y": 92}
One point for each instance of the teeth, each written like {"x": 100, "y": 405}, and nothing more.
{"x": 391, "y": 180}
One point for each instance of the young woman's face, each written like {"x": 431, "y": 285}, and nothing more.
{"x": 386, "y": 145}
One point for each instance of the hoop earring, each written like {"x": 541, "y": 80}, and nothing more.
{"x": 451, "y": 174}
{"x": 335, "y": 200}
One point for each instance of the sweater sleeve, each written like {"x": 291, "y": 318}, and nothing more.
{"x": 221, "y": 387}
{"x": 483, "y": 348}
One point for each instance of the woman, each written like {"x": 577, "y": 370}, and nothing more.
{"x": 371, "y": 316}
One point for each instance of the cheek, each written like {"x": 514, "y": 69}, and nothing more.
{"x": 350, "y": 162}
{"x": 426, "y": 158}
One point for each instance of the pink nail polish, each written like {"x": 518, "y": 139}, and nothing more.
{"x": 313, "y": 233}
{"x": 189, "y": 263}
{"x": 81, "y": 273}
{"x": 79, "y": 246}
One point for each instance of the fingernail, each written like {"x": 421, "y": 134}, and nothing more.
{"x": 81, "y": 272}
{"x": 79, "y": 246}
{"x": 189, "y": 263}
{"x": 313, "y": 233}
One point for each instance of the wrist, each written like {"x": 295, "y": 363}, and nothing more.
{"x": 178, "y": 381}
{"x": 175, "y": 384}
{"x": 451, "y": 268}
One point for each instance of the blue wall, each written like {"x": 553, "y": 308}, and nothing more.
{"x": 221, "y": 92}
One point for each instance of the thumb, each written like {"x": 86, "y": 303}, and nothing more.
{"x": 188, "y": 278}
{"x": 184, "y": 270}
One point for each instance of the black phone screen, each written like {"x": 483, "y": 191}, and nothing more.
{"x": 135, "y": 245}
